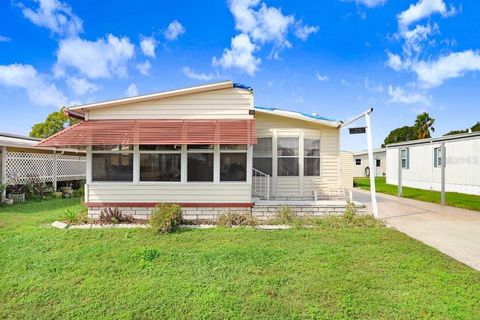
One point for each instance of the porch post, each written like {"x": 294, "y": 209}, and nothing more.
{"x": 399, "y": 178}
{"x": 55, "y": 169}
{"x": 3, "y": 173}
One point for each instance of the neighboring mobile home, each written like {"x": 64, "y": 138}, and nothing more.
{"x": 21, "y": 160}
{"x": 421, "y": 161}
{"x": 361, "y": 167}
{"x": 205, "y": 147}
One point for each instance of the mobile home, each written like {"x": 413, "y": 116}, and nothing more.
{"x": 421, "y": 160}
{"x": 207, "y": 148}
{"x": 361, "y": 167}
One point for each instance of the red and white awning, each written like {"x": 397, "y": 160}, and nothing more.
{"x": 114, "y": 132}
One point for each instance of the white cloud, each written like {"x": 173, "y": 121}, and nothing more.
{"x": 174, "y": 30}
{"x": 197, "y": 76}
{"x": 4, "y": 39}
{"x": 423, "y": 9}
{"x": 95, "y": 59}
{"x": 144, "y": 68}
{"x": 39, "y": 90}
{"x": 132, "y": 90}
{"x": 265, "y": 24}
{"x": 240, "y": 56}
{"x": 148, "y": 45}
{"x": 81, "y": 85}
{"x": 56, "y": 16}
{"x": 304, "y": 31}
{"x": 454, "y": 65}
{"x": 322, "y": 77}
{"x": 371, "y": 3}
{"x": 399, "y": 95}
{"x": 394, "y": 61}
{"x": 415, "y": 38}
{"x": 345, "y": 83}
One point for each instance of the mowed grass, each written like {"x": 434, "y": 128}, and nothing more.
{"x": 454, "y": 199}
{"x": 332, "y": 271}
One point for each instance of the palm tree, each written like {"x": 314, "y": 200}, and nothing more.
{"x": 423, "y": 125}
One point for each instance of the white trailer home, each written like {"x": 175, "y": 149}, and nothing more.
{"x": 361, "y": 167}
{"x": 206, "y": 148}
{"x": 421, "y": 162}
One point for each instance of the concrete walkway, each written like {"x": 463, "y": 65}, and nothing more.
{"x": 453, "y": 231}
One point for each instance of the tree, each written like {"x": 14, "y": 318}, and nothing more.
{"x": 474, "y": 128}
{"x": 55, "y": 122}
{"x": 423, "y": 125}
{"x": 405, "y": 133}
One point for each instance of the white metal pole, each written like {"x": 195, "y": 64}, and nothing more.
{"x": 371, "y": 164}
{"x": 399, "y": 180}
{"x": 443, "y": 164}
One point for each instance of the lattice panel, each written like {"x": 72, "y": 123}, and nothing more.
{"x": 21, "y": 165}
{"x": 70, "y": 167}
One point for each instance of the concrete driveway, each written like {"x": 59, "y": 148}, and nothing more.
{"x": 453, "y": 231}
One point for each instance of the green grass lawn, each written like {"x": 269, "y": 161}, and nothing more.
{"x": 454, "y": 199}
{"x": 333, "y": 271}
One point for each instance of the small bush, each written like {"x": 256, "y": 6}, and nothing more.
{"x": 73, "y": 217}
{"x": 165, "y": 217}
{"x": 285, "y": 215}
{"x": 230, "y": 219}
{"x": 80, "y": 192}
{"x": 115, "y": 215}
{"x": 350, "y": 211}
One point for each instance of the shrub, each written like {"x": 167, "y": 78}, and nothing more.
{"x": 115, "y": 215}
{"x": 350, "y": 211}
{"x": 35, "y": 187}
{"x": 79, "y": 216}
{"x": 165, "y": 217}
{"x": 285, "y": 215}
{"x": 80, "y": 192}
{"x": 230, "y": 219}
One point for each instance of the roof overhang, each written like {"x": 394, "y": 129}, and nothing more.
{"x": 78, "y": 110}
{"x": 461, "y": 136}
{"x": 299, "y": 116}
{"x": 152, "y": 132}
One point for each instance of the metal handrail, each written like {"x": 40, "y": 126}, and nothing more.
{"x": 256, "y": 188}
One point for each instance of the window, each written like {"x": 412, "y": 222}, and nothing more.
{"x": 287, "y": 153}
{"x": 262, "y": 155}
{"x": 404, "y": 158}
{"x": 437, "y": 157}
{"x": 112, "y": 166}
{"x": 311, "y": 161}
{"x": 233, "y": 167}
{"x": 378, "y": 162}
{"x": 358, "y": 162}
{"x": 160, "y": 162}
{"x": 233, "y": 162}
{"x": 200, "y": 163}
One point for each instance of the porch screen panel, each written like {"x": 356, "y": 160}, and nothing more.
{"x": 262, "y": 155}
{"x": 287, "y": 154}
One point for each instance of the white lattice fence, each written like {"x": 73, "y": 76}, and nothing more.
{"x": 22, "y": 165}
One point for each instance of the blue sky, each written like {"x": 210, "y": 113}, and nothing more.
{"x": 334, "y": 58}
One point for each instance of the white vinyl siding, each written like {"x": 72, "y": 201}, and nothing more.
{"x": 232, "y": 103}
{"x": 277, "y": 126}
{"x": 462, "y": 172}
{"x": 191, "y": 192}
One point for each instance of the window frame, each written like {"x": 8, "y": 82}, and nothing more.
{"x": 378, "y": 162}
{"x": 437, "y": 155}
{"x": 131, "y": 151}
{"x": 140, "y": 152}
{"x": 234, "y": 151}
{"x": 271, "y": 157}
{"x": 298, "y": 156}
{"x": 319, "y": 156}
{"x": 358, "y": 162}
{"x": 406, "y": 158}
{"x": 211, "y": 150}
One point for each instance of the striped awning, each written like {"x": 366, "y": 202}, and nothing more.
{"x": 114, "y": 132}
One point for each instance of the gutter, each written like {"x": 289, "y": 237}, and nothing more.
{"x": 74, "y": 114}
